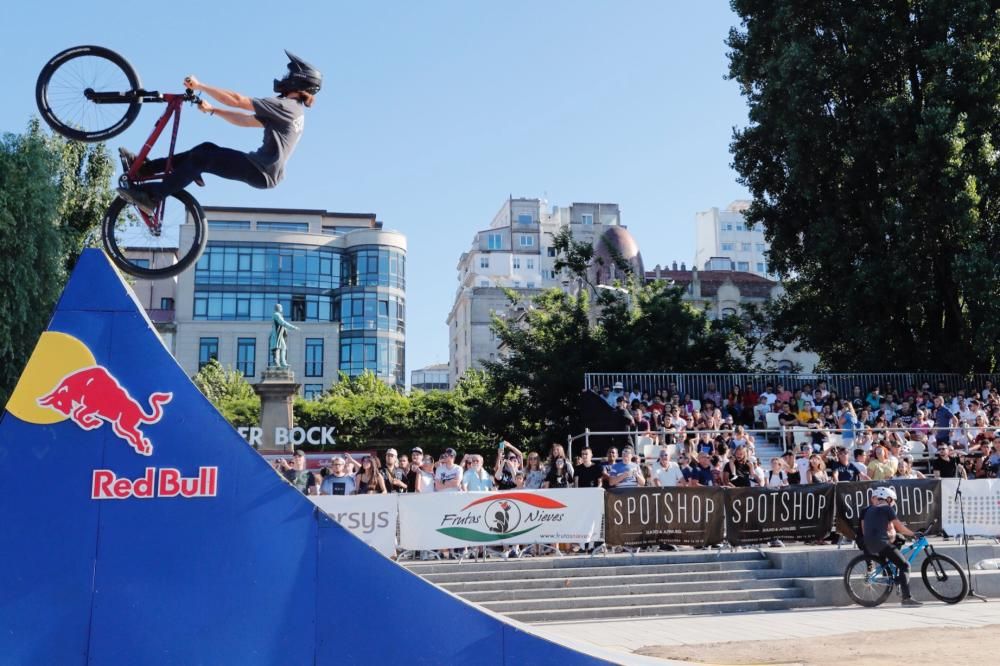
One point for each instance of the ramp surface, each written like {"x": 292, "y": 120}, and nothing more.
{"x": 139, "y": 528}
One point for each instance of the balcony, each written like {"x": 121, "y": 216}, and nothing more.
{"x": 158, "y": 316}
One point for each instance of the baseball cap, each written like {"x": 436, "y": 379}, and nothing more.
{"x": 416, "y": 449}
{"x": 619, "y": 385}
{"x": 449, "y": 452}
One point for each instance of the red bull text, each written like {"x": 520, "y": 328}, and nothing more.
{"x": 165, "y": 482}
{"x": 92, "y": 396}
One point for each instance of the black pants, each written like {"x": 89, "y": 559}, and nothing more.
{"x": 892, "y": 554}
{"x": 203, "y": 158}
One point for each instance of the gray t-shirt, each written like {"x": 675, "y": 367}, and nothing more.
{"x": 338, "y": 485}
{"x": 283, "y": 120}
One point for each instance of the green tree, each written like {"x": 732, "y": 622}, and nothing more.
{"x": 52, "y": 196}
{"x": 230, "y": 392}
{"x": 871, "y": 156}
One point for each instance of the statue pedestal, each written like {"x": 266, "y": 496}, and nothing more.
{"x": 277, "y": 390}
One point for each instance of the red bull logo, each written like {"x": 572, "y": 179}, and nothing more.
{"x": 165, "y": 482}
{"x": 92, "y": 396}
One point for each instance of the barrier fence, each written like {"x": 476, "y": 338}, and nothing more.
{"x": 637, "y": 517}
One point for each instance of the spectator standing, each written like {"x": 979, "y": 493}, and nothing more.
{"x": 558, "y": 475}
{"x": 843, "y": 471}
{"x": 534, "y": 473}
{"x": 942, "y": 421}
{"x": 945, "y": 465}
{"x": 338, "y": 482}
{"x": 557, "y": 451}
{"x": 702, "y": 475}
{"x": 448, "y": 475}
{"x": 906, "y": 471}
{"x": 507, "y": 467}
{"x": 816, "y": 473}
{"x": 413, "y": 471}
{"x": 295, "y": 472}
{"x": 802, "y": 462}
{"x": 425, "y": 475}
{"x": 737, "y": 471}
{"x": 791, "y": 468}
{"x": 589, "y": 474}
{"x": 369, "y": 480}
{"x": 777, "y": 476}
{"x": 477, "y": 479}
{"x": 393, "y": 474}
{"x": 667, "y": 473}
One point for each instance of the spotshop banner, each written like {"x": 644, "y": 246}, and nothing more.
{"x": 918, "y": 502}
{"x": 656, "y": 516}
{"x": 981, "y": 500}
{"x": 797, "y": 513}
{"x": 371, "y": 518}
{"x": 454, "y": 520}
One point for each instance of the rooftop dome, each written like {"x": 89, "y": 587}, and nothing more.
{"x": 614, "y": 249}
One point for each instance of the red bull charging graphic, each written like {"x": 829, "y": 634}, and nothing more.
{"x": 63, "y": 381}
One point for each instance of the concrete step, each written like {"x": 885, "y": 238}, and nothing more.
{"x": 702, "y": 608}
{"x": 456, "y": 575}
{"x": 643, "y": 600}
{"x": 575, "y": 561}
{"x": 735, "y": 577}
{"x": 618, "y": 590}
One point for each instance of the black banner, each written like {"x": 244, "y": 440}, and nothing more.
{"x": 657, "y": 516}
{"x": 798, "y": 513}
{"x": 918, "y": 503}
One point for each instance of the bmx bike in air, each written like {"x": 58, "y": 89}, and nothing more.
{"x": 90, "y": 93}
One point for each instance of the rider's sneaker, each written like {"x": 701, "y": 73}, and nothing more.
{"x": 910, "y": 601}
{"x": 139, "y": 198}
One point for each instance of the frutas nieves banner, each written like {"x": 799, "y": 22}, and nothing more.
{"x": 371, "y": 518}
{"x": 657, "y": 516}
{"x": 798, "y": 513}
{"x": 454, "y": 520}
{"x": 918, "y": 502}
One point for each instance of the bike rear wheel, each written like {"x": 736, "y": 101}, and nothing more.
{"x": 155, "y": 254}
{"x": 944, "y": 578}
{"x": 868, "y": 581}
{"x": 61, "y": 93}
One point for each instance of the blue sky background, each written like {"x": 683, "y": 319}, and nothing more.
{"x": 433, "y": 112}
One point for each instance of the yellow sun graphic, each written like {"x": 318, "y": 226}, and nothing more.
{"x": 55, "y": 356}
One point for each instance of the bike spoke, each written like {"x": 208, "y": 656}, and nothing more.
{"x": 65, "y": 93}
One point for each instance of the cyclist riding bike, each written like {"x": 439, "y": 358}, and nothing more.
{"x": 282, "y": 118}
{"x": 879, "y": 530}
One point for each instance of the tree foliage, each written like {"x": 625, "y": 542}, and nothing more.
{"x": 230, "y": 392}
{"x": 557, "y": 336}
{"x": 53, "y": 194}
{"x": 871, "y": 154}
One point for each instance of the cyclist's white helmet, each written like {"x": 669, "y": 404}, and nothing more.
{"x": 885, "y": 493}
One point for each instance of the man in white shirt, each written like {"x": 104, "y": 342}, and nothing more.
{"x": 769, "y": 395}
{"x": 667, "y": 473}
{"x": 448, "y": 476}
{"x": 802, "y": 462}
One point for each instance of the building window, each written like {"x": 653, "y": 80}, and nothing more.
{"x": 524, "y": 218}
{"x": 246, "y": 356}
{"x": 739, "y": 227}
{"x": 141, "y": 263}
{"x": 484, "y": 283}
{"x": 208, "y": 349}
{"x": 314, "y": 357}
{"x": 296, "y": 227}
{"x": 495, "y": 242}
{"x": 229, "y": 224}
{"x": 527, "y": 240}
{"x": 551, "y": 251}
{"x": 587, "y": 218}
{"x": 517, "y": 263}
{"x": 728, "y": 247}
{"x": 312, "y": 391}
{"x": 484, "y": 262}
{"x": 727, "y": 227}
{"x": 761, "y": 267}
{"x": 531, "y": 285}
{"x": 531, "y": 263}
{"x": 166, "y": 304}
{"x": 743, "y": 266}
{"x": 517, "y": 283}
{"x": 745, "y": 247}
{"x": 759, "y": 247}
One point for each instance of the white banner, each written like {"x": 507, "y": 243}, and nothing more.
{"x": 453, "y": 520}
{"x": 981, "y": 498}
{"x": 371, "y": 518}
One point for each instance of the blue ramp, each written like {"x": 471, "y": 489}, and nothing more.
{"x": 139, "y": 528}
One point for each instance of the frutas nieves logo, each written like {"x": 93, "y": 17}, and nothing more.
{"x": 502, "y": 516}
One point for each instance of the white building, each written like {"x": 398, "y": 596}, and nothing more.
{"x": 430, "y": 378}
{"x": 517, "y": 252}
{"x": 724, "y": 233}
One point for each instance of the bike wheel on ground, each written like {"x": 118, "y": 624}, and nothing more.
{"x": 944, "y": 578}
{"x": 155, "y": 254}
{"x": 868, "y": 581}
{"x": 63, "y": 85}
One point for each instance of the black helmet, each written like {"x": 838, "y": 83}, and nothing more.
{"x": 301, "y": 77}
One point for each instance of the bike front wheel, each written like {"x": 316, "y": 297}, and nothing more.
{"x": 65, "y": 91}
{"x": 164, "y": 249}
{"x": 944, "y": 578}
{"x": 868, "y": 581}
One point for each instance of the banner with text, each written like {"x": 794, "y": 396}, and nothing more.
{"x": 655, "y": 516}
{"x": 981, "y": 499}
{"x": 918, "y": 502}
{"x": 797, "y": 513}
{"x": 371, "y": 518}
{"x": 453, "y": 520}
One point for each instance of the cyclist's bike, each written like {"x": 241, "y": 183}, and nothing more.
{"x": 869, "y": 580}
{"x": 90, "y": 93}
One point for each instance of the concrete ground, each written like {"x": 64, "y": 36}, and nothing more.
{"x": 673, "y": 637}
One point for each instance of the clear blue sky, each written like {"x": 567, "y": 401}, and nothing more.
{"x": 433, "y": 112}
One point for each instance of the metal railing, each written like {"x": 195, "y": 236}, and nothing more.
{"x": 696, "y": 384}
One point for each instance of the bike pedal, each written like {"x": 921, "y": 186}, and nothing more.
{"x": 199, "y": 182}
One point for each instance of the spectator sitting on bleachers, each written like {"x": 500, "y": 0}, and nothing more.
{"x": 880, "y": 467}
{"x": 625, "y": 473}
{"x": 666, "y": 472}
{"x": 843, "y": 471}
{"x": 712, "y": 395}
{"x": 906, "y": 471}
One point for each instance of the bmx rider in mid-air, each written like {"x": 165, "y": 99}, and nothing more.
{"x": 282, "y": 118}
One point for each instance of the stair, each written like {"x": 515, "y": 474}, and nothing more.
{"x": 556, "y": 589}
